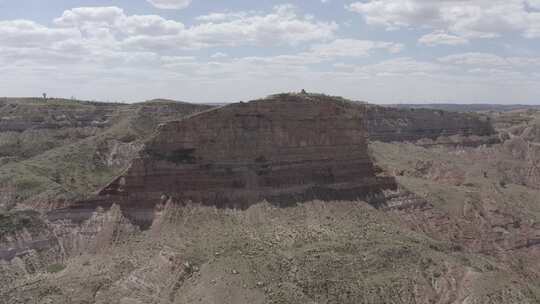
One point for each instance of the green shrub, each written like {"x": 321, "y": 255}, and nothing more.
{"x": 12, "y": 222}
{"x": 25, "y": 184}
{"x": 55, "y": 268}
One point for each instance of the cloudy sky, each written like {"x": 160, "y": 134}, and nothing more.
{"x": 384, "y": 51}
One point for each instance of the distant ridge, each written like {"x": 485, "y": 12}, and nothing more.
{"x": 467, "y": 107}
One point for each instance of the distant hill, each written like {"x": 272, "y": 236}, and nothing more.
{"x": 467, "y": 107}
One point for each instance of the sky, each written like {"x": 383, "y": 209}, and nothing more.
{"x": 381, "y": 51}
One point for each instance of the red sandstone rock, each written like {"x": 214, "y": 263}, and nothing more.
{"x": 284, "y": 149}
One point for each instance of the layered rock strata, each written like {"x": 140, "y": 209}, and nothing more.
{"x": 388, "y": 124}
{"x": 284, "y": 149}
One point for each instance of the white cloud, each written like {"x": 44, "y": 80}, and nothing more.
{"x": 535, "y": 4}
{"x": 114, "y": 18}
{"x": 534, "y": 29}
{"x": 467, "y": 19}
{"x": 403, "y": 66}
{"x": 151, "y": 25}
{"x": 187, "y": 78}
{"x": 108, "y": 36}
{"x": 530, "y": 62}
{"x": 396, "y": 14}
{"x": 104, "y": 50}
{"x": 170, "y": 4}
{"x": 353, "y": 48}
{"x": 91, "y": 16}
{"x": 319, "y": 53}
{"x": 440, "y": 37}
{"x": 475, "y": 59}
{"x": 220, "y": 17}
{"x": 281, "y": 26}
{"x": 219, "y": 55}
{"x": 491, "y": 61}
{"x": 24, "y": 33}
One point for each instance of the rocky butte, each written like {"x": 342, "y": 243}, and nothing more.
{"x": 283, "y": 149}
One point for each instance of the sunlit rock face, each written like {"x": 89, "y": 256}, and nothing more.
{"x": 283, "y": 149}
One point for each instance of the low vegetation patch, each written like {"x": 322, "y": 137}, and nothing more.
{"x": 11, "y": 222}
{"x": 55, "y": 268}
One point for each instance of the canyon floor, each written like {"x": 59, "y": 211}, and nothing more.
{"x": 462, "y": 227}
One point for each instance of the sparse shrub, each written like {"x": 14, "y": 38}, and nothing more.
{"x": 128, "y": 138}
{"x": 12, "y": 222}
{"x": 55, "y": 268}
{"x": 27, "y": 184}
{"x": 180, "y": 156}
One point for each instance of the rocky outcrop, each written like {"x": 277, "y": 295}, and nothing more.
{"x": 160, "y": 278}
{"x": 29, "y": 244}
{"x": 465, "y": 197}
{"x": 53, "y": 152}
{"x": 20, "y": 232}
{"x": 284, "y": 149}
{"x": 101, "y": 231}
{"x": 520, "y": 163}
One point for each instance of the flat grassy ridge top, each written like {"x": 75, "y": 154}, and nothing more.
{"x": 36, "y": 101}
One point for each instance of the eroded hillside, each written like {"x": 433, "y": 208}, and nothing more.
{"x": 329, "y": 252}
{"x": 55, "y": 151}
{"x": 463, "y": 226}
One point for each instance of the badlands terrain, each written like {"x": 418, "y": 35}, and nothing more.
{"x": 294, "y": 198}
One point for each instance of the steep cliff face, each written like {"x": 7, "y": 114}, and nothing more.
{"x": 283, "y": 149}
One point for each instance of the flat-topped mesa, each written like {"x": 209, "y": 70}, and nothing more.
{"x": 283, "y": 149}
